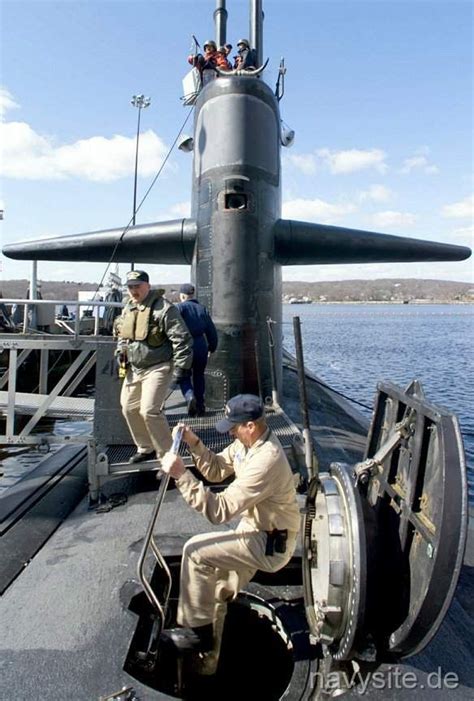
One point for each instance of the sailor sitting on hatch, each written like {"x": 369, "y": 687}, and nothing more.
{"x": 215, "y": 566}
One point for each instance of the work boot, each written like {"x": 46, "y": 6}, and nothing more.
{"x": 191, "y": 403}
{"x": 142, "y": 457}
{"x": 206, "y": 663}
{"x": 199, "y": 639}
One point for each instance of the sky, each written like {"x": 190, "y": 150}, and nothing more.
{"x": 379, "y": 94}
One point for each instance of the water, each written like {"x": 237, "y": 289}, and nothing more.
{"x": 351, "y": 347}
{"x": 18, "y": 461}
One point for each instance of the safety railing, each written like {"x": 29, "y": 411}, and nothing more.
{"x": 150, "y": 545}
{"x": 76, "y": 305}
{"x": 41, "y": 399}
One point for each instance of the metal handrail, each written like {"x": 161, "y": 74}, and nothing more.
{"x": 150, "y": 543}
{"x": 74, "y": 304}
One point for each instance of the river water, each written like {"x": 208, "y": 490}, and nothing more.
{"x": 351, "y": 347}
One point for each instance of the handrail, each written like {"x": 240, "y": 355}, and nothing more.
{"x": 150, "y": 542}
{"x": 70, "y": 302}
{"x": 74, "y": 304}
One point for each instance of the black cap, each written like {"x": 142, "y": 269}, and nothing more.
{"x": 187, "y": 289}
{"x": 239, "y": 409}
{"x": 136, "y": 277}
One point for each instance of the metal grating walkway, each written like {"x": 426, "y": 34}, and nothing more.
{"x": 204, "y": 427}
{"x": 61, "y": 408}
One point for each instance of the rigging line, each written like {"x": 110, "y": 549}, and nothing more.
{"x": 143, "y": 199}
{"x": 350, "y": 399}
{"x": 340, "y": 394}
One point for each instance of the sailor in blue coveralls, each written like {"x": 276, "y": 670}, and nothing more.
{"x": 202, "y": 329}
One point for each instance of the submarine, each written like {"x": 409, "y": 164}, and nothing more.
{"x": 236, "y": 241}
{"x": 383, "y": 535}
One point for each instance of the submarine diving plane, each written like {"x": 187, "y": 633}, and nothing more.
{"x": 383, "y": 535}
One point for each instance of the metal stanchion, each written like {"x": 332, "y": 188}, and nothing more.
{"x": 271, "y": 347}
{"x": 308, "y": 439}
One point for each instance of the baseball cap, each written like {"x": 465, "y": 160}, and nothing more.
{"x": 187, "y": 289}
{"x": 136, "y": 277}
{"x": 238, "y": 410}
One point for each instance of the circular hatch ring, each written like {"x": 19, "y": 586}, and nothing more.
{"x": 335, "y": 561}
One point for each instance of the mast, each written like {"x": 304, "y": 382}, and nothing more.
{"x": 256, "y": 29}
{"x": 220, "y": 20}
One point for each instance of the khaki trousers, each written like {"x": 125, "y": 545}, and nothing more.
{"x": 143, "y": 393}
{"x": 215, "y": 566}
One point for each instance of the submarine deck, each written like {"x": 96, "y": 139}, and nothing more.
{"x": 66, "y": 623}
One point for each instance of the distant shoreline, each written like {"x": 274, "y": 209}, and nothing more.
{"x": 411, "y": 303}
{"x": 401, "y": 291}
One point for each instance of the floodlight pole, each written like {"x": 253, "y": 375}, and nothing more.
{"x": 141, "y": 102}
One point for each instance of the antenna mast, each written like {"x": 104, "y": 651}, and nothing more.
{"x": 256, "y": 29}
{"x": 220, "y": 20}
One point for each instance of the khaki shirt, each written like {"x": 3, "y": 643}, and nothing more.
{"x": 263, "y": 491}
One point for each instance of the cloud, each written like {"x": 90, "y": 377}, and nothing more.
{"x": 175, "y": 211}
{"x": 390, "y": 218}
{"x": 315, "y": 210}
{"x": 31, "y": 156}
{"x": 464, "y": 235}
{"x": 305, "y": 162}
{"x": 376, "y": 193}
{"x": 419, "y": 161}
{"x": 7, "y": 102}
{"x": 459, "y": 210}
{"x": 353, "y": 160}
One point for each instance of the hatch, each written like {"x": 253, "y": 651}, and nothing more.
{"x": 384, "y": 539}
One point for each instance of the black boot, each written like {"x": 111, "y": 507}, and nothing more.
{"x": 191, "y": 403}
{"x": 142, "y": 457}
{"x": 199, "y": 639}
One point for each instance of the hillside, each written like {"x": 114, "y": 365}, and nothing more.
{"x": 383, "y": 290}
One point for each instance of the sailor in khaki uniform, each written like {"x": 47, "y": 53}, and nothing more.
{"x": 156, "y": 347}
{"x": 215, "y": 566}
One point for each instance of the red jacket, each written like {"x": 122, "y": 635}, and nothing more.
{"x": 208, "y": 61}
{"x": 222, "y": 62}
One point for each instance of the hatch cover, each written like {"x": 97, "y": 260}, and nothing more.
{"x": 384, "y": 539}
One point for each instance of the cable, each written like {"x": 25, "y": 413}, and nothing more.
{"x": 143, "y": 200}
{"x": 323, "y": 384}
